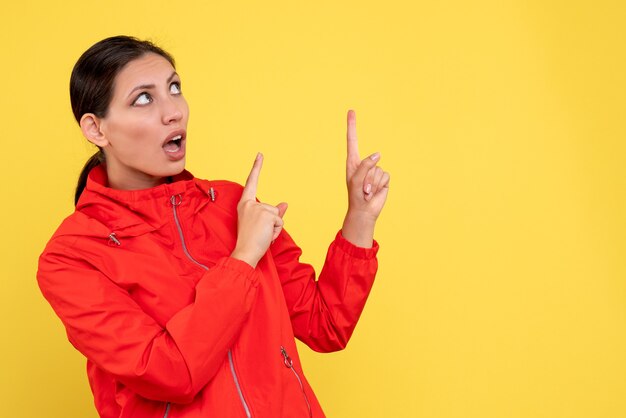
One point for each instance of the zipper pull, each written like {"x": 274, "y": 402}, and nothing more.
{"x": 287, "y": 360}
{"x": 176, "y": 200}
{"x": 113, "y": 239}
{"x": 211, "y": 193}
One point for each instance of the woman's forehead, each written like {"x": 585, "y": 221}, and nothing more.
{"x": 147, "y": 69}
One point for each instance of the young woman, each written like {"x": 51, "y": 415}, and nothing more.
{"x": 185, "y": 295}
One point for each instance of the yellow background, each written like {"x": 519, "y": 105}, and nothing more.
{"x": 502, "y": 282}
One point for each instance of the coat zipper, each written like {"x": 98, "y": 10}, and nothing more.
{"x": 289, "y": 364}
{"x": 232, "y": 369}
{"x": 176, "y": 200}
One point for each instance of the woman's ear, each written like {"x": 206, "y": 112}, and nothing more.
{"x": 90, "y": 125}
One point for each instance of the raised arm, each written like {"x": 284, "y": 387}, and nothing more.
{"x": 324, "y": 313}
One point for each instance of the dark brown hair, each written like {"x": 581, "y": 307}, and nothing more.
{"x": 93, "y": 80}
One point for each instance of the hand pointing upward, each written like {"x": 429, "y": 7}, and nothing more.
{"x": 258, "y": 223}
{"x": 368, "y": 186}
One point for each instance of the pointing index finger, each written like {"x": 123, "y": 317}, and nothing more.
{"x": 249, "y": 190}
{"x": 353, "y": 146}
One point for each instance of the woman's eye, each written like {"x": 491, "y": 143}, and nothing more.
{"x": 142, "y": 99}
{"x": 175, "y": 88}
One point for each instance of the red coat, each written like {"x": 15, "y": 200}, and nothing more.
{"x": 172, "y": 326}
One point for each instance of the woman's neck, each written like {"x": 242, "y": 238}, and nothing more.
{"x": 133, "y": 179}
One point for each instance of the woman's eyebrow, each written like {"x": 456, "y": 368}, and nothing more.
{"x": 172, "y": 76}
{"x": 150, "y": 86}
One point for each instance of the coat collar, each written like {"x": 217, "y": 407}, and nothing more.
{"x": 134, "y": 212}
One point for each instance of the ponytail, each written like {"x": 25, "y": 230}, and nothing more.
{"x": 95, "y": 160}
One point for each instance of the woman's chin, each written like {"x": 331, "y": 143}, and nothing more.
{"x": 175, "y": 168}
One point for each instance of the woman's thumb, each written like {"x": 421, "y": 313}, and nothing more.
{"x": 282, "y": 208}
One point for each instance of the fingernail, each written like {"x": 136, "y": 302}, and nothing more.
{"x": 368, "y": 188}
{"x": 376, "y": 156}
{"x": 258, "y": 155}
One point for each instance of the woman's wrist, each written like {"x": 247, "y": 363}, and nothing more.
{"x": 358, "y": 228}
{"x": 241, "y": 255}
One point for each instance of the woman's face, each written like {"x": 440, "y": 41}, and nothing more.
{"x": 145, "y": 128}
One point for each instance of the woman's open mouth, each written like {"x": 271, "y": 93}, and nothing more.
{"x": 175, "y": 147}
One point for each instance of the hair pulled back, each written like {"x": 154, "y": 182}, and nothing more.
{"x": 93, "y": 80}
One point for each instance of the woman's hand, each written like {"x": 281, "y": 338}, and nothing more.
{"x": 368, "y": 186}
{"x": 258, "y": 223}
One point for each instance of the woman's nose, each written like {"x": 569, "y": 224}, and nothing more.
{"x": 172, "y": 110}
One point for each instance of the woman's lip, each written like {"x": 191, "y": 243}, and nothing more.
{"x": 179, "y": 154}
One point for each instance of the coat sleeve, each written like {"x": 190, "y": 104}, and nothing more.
{"x": 324, "y": 312}
{"x": 171, "y": 363}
